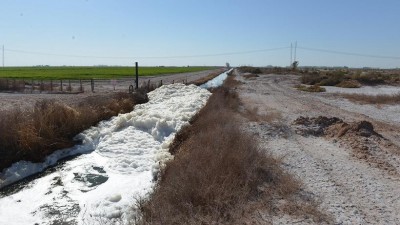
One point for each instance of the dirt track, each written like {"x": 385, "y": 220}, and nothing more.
{"x": 355, "y": 177}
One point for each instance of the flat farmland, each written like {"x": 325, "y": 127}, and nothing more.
{"x": 48, "y": 73}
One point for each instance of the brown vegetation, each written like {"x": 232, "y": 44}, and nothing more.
{"x": 204, "y": 80}
{"x": 312, "y": 88}
{"x": 349, "y": 84}
{"x": 35, "y": 133}
{"x": 266, "y": 70}
{"x": 12, "y": 85}
{"x": 349, "y": 78}
{"x": 373, "y": 99}
{"x": 220, "y": 175}
{"x": 250, "y": 76}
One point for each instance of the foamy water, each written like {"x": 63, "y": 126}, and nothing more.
{"x": 123, "y": 157}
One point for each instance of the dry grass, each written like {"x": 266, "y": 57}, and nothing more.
{"x": 250, "y": 76}
{"x": 231, "y": 82}
{"x": 266, "y": 70}
{"x": 373, "y": 99}
{"x": 33, "y": 134}
{"x": 219, "y": 173}
{"x": 204, "y": 80}
{"x": 349, "y": 84}
{"x": 349, "y": 78}
{"x": 312, "y": 88}
{"x": 12, "y": 85}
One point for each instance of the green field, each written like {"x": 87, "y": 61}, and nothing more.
{"x": 74, "y": 73}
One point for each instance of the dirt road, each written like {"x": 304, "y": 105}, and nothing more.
{"x": 354, "y": 175}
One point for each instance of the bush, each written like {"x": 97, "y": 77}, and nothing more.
{"x": 372, "y": 78}
{"x": 311, "y": 79}
{"x": 349, "y": 84}
{"x": 312, "y": 88}
{"x": 249, "y": 69}
{"x": 373, "y": 99}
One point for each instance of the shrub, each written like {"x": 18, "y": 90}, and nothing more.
{"x": 349, "y": 84}
{"x": 311, "y": 79}
{"x": 312, "y": 88}
{"x": 372, "y": 78}
{"x": 373, "y": 99}
{"x": 249, "y": 69}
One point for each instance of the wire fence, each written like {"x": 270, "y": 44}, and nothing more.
{"x": 78, "y": 86}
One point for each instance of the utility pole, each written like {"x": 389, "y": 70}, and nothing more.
{"x": 295, "y": 50}
{"x": 291, "y": 53}
{"x": 3, "y": 56}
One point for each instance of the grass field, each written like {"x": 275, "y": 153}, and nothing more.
{"x": 46, "y": 73}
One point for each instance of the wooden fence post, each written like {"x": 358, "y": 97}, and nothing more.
{"x": 137, "y": 74}
{"x": 92, "y": 84}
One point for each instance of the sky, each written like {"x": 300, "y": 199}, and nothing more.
{"x": 197, "y": 33}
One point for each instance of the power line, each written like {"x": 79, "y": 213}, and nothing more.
{"x": 348, "y": 53}
{"x": 293, "y": 49}
{"x": 148, "y": 57}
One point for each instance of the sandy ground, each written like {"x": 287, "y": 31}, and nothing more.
{"x": 354, "y": 177}
{"x": 102, "y": 87}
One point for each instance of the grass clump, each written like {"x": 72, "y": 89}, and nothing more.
{"x": 349, "y": 78}
{"x": 266, "y": 70}
{"x": 250, "y": 76}
{"x": 33, "y": 134}
{"x": 373, "y": 99}
{"x": 312, "y": 88}
{"x": 349, "y": 84}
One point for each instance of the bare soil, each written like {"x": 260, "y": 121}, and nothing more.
{"x": 346, "y": 155}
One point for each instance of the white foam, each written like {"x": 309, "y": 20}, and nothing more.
{"x": 124, "y": 155}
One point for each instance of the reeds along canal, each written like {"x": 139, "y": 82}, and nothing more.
{"x": 116, "y": 163}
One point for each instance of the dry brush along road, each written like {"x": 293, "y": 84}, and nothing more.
{"x": 346, "y": 155}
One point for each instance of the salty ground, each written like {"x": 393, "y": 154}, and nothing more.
{"x": 353, "y": 175}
